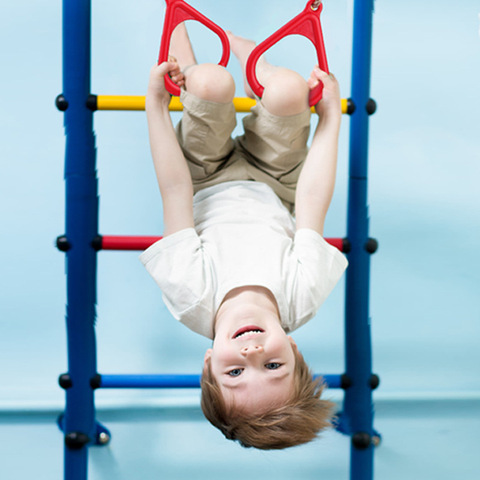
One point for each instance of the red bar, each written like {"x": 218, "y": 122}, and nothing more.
{"x": 337, "y": 242}
{"x": 118, "y": 242}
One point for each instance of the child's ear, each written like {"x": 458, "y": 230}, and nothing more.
{"x": 208, "y": 356}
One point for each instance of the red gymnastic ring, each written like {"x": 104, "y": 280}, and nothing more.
{"x": 307, "y": 23}
{"x": 178, "y": 11}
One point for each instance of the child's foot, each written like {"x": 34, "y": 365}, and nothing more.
{"x": 241, "y": 48}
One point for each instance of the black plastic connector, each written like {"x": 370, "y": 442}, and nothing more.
{"x": 63, "y": 244}
{"x": 76, "y": 440}
{"x": 91, "y": 103}
{"x": 345, "y": 381}
{"x": 96, "y": 381}
{"x": 361, "y": 440}
{"x": 350, "y": 106}
{"x": 65, "y": 381}
{"x": 374, "y": 381}
{"x": 371, "y": 245}
{"x": 346, "y": 245}
{"x": 371, "y": 106}
{"x": 61, "y": 102}
{"x": 97, "y": 243}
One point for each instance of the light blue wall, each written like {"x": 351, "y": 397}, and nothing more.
{"x": 424, "y": 207}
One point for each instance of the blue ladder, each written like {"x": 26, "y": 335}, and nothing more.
{"x": 78, "y": 422}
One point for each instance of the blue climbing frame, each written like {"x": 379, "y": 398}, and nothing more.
{"x": 78, "y": 422}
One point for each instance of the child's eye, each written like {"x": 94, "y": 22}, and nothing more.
{"x": 273, "y": 365}
{"x": 235, "y": 372}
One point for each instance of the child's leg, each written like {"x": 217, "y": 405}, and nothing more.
{"x": 277, "y": 130}
{"x": 206, "y": 81}
{"x": 181, "y": 48}
{"x": 210, "y": 82}
{"x": 286, "y": 92}
{"x": 208, "y": 119}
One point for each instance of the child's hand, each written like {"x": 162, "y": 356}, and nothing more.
{"x": 156, "y": 84}
{"x": 330, "y": 101}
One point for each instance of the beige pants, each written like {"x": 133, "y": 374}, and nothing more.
{"x": 272, "y": 149}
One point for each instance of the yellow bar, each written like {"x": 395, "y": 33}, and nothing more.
{"x": 120, "y": 102}
{"x": 175, "y": 105}
{"x": 243, "y": 104}
{"x": 137, "y": 102}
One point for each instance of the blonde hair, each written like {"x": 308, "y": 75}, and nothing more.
{"x": 299, "y": 421}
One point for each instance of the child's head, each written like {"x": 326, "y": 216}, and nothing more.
{"x": 257, "y": 388}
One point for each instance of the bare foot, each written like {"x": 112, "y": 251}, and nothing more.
{"x": 241, "y": 48}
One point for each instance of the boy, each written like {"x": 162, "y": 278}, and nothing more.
{"x": 234, "y": 265}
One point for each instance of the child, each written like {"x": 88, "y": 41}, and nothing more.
{"x": 234, "y": 265}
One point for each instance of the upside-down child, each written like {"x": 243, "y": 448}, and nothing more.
{"x": 235, "y": 265}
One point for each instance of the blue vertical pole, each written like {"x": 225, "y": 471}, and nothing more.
{"x": 81, "y": 228}
{"x": 358, "y": 407}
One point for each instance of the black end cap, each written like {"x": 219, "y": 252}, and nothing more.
{"x": 91, "y": 103}
{"x": 65, "y": 381}
{"x": 96, "y": 381}
{"x": 371, "y": 106}
{"x": 374, "y": 381}
{"x": 61, "y": 102}
{"x": 350, "y": 106}
{"x": 76, "y": 440}
{"x": 63, "y": 244}
{"x": 345, "y": 381}
{"x": 361, "y": 440}
{"x": 346, "y": 245}
{"x": 371, "y": 245}
{"x": 97, "y": 243}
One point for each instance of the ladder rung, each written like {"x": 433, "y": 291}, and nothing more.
{"x": 137, "y": 102}
{"x": 178, "y": 381}
{"x": 130, "y": 242}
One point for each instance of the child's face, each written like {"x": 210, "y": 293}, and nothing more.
{"x": 254, "y": 369}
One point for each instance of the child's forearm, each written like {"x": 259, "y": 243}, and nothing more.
{"x": 317, "y": 180}
{"x": 170, "y": 164}
{"x": 173, "y": 175}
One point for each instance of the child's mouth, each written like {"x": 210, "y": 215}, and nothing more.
{"x": 247, "y": 329}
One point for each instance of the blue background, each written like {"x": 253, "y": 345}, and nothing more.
{"x": 425, "y": 211}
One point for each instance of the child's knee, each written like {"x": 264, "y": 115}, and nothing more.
{"x": 286, "y": 93}
{"x": 210, "y": 82}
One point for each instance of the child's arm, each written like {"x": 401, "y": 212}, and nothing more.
{"x": 317, "y": 180}
{"x": 172, "y": 172}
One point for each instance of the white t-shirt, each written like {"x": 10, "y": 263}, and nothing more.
{"x": 243, "y": 236}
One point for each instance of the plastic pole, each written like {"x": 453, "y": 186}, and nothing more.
{"x": 175, "y": 381}
{"x": 137, "y": 103}
{"x": 358, "y": 408}
{"x": 134, "y": 242}
{"x": 81, "y": 228}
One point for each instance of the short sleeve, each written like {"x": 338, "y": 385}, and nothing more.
{"x": 181, "y": 269}
{"x": 317, "y": 268}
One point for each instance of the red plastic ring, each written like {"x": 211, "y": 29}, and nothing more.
{"x": 307, "y": 23}
{"x": 178, "y": 11}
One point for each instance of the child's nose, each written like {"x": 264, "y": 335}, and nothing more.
{"x": 249, "y": 349}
